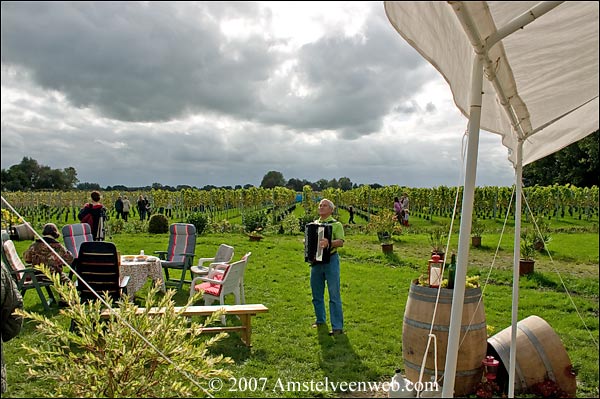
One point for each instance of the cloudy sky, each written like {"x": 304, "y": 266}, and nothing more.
{"x": 221, "y": 93}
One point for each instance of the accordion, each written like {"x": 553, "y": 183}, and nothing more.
{"x": 313, "y": 234}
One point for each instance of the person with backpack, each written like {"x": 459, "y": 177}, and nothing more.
{"x": 94, "y": 214}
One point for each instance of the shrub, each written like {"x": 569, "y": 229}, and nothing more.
{"x": 158, "y": 224}
{"x": 222, "y": 226}
{"x": 109, "y": 359}
{"x": 134, "y": 226}
{"x": 255, "y": 221}
{"x": 199, "y": 220}
{"x": 306, "y": 219}
{"x": 290, "y": 224}
{"x": 116, "y": 226}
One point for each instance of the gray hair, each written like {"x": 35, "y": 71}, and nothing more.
{"x": 329, "y": 203}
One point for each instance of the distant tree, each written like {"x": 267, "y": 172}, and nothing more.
{"x": 345, "y": 183}
{"x": 51, "y": 179}
{"x": 30, "y": 175}
{"x": 247, "y": 186}
{"x": 273, "y": 179}
{"x": 333, "y": 183}
{"x": 118, "y": 187}
{"x": 157, "y": 186}
{"x": 296, "y": 184}
{"x": 575, "y": 164}
{"x": 70, "y": 176}
{"x": 88, "y": 186}
{"x": 321, "y": 184}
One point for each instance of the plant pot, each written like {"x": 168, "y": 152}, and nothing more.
{"x": 387, "y": 248}
{"x": 255, "y": 238}
{"x": 476, "y": 241}
{"x": 439, "y": 253}
{"x": 526, "y": 266}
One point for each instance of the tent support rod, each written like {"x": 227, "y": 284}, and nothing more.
{"x": 465, "y": 228}
{"x": 519, "y": 22}
{"x": 482, "y": 47}
{"x": 516, "y": 256}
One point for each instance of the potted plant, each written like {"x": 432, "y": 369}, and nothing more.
{"x": 527, "y": 262}
{"x": 385, "y": 225}
{"x": 437, "y": 239}
{"x": 255, "y": 235}
{"x": 477, "y": 229}
{"x": 540, "y": 241}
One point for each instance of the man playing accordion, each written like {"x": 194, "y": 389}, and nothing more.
{"x": 321, "y": 273}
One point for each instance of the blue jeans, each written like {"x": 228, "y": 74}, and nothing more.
{"x": 330, "y": 273}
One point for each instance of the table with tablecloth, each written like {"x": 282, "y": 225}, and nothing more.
{"x": 139, "y": 268}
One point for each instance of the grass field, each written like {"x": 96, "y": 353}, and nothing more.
{"x": 374, "y": 292}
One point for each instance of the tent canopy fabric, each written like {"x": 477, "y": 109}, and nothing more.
{"x": 545, "y": 74}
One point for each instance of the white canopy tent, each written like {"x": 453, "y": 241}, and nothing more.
{"x": 527, "y": 71}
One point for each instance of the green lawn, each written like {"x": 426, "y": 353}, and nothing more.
{"x": 286, "y": 350}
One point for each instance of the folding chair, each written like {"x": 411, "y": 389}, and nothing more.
{"x": 26, "y": 276}
{"x": 98, "y": 265}
{"x": 75, "y": 234}
{"x": 180, "y": 252}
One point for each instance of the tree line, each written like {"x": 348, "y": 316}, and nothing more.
{"x": 576, "y": 164}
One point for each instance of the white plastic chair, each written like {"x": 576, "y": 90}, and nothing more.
{"x": 224, "y": 255}
{"x": 222, "y": 280}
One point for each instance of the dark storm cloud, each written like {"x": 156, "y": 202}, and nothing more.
{"x": 163, "y": 61}
{"x": 135, "y": 62}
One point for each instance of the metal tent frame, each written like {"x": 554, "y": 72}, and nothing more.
{"x": 489, "y": 58}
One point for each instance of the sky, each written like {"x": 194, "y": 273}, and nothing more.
{"x": 220, "y": 93}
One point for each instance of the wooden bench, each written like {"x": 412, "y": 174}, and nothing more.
{"x": 244, "y": 312}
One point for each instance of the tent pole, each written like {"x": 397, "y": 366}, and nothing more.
{"x": 465, "y": 228}
{"x": 516, "y": 257}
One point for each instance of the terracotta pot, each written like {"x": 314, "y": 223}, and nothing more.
{"x": 526, "y": 266}
{"x": 440, "y": 254}
{"x": 387, "y": 248}
{"x": 476, "y": 241}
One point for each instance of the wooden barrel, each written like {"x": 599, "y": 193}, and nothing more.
{"x": 540, "y": 355}
{"x": 21, "y": 232}
{"x": 473, "y": 337}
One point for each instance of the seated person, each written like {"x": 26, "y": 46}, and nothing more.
{"x": 38, "y": 252}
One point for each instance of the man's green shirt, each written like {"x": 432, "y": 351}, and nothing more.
{"x": 337, "y": 230}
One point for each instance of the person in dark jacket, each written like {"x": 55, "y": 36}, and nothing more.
{"x": 119, "y": 207}
{"x": 10, "y": 300}
{"x": 141, "y": 207}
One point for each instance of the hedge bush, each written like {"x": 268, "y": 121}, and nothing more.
{"x": 199, "y": 220}
{"x": 158, "y": 224}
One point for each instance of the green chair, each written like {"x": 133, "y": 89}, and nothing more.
{"x": 26, "y": 276}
